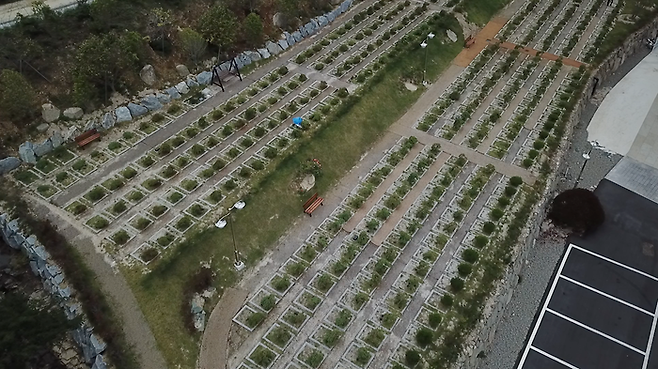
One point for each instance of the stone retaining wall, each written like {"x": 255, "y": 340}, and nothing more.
{"x": 482, "y": 337}
{"x": 54, "y": 281}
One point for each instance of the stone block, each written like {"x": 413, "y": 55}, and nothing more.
{"x": 151, "y": 103}
{"x": 9, "y": 164}
{"x": 204, "y": 78}
{"x": 147, "y": 74}
{"x": 173, "y": 93}
{"x": 254, "y": 56}
{"x": 264, "y": 53}
{"x": 191, "y": 82}
{"x": 92, "y": 124}
{"x": 43, "y": 127}
{"x": 137, "y": 110}
{"x": 57, "y": 139}
{"x": 330, "y": 16}
{"x": 108, "y": 120}
{"x": 310, "y": 28}
{"x": 73, "y": 113}
{"x": 182, "y": 88}
{"x": 123, "y": 114}
{"x": 315, "y": 23}
{"x": 283, "y": 44}
{"x": 243, "y": 60}
{"x": 182, "y": 70}
{"x": 272, "y": 47}
{"x": 97, "y": 344}
{"x": 163, "y": 98}
{"x": 26, "y": 153}
{"x": 322, "y": 21}
{"x": 49, "y": 112}
{"x": 99, "y": 363}
{"x": 43, "y": 148}
{"x": 290, "y": 39}
{"x": 297, "y": 35}
{"x": 303, "y": 31}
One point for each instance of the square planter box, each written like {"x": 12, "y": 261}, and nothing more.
{"x": 244, "y": 318}
{"x": 256, "y": 300}
{"x": 145, "y": 254}
{"x": 279, "y": 336}
{"x": 180, "y": 225}
{"x": 139, "y": 222}
{"x": 164, "y": 238}
{"x": 294, "y": 317}
{"x": 118, "y": 208}
{"x": 308, "y": 301}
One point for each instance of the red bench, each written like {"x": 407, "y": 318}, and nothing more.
{"x": 311, "y": 204}
{"x": 87, "y": 138}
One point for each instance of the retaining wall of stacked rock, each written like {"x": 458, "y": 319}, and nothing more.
{"x": 30, "y": 152}
{"x": 54, "y": 281}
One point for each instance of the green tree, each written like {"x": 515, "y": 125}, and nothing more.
{"x": 193, "y": 43}
{"x": 27, "y": 329}
{"x": 102, "y": 61}
{"x": 253, "y": 29}
{"x": 17, "y": 98}
{"x": 219, "y": 26}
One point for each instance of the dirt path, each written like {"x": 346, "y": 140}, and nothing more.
{"x": 136, "y": 329}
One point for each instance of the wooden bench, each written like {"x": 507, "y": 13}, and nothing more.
{"x": 469, "y": 41}
{"x": 311, "y": 204}
{"x": 87, "y": 138}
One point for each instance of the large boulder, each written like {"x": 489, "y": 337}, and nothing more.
{"x": 191, "y": 82}
{"x": 43, "y": 148}
{"x": 137, "y": 110}
{"x": 204, "y": 78}
{"x": 147, "y": 74}
{"x": 297, "y": 35}
{"x": 264, "y": 53}
{"x": 252, "y": 55}
{"x": 283, "y": 44}
{"x": 151, "y": 103}
{"x": 123, "y": 114}
{"x": 108, "y": 120}
{"x": 9, "y": 164}
{"x": 163, "y": 98}
{"x": 173, "y": 93}
{"x": 182, "y": 88}
{"x": 289, "y": 38}
{"x": 73, "y": 113}
{"x": 280, "y": 20}
{"x": 57, "y": 139}
{"x": 182, "y": 70}
{"x": 43, "y": 127}
{"x": 322, "y": 21}
{"x": 49, "y": 112}
{"x": 451, "y": 35}
{"x": 26, "y": 153}
{"x": 242, "y": 60}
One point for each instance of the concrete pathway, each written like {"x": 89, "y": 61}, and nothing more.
{"x": 548, "y": 56}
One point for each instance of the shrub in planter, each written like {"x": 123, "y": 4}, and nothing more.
{"x": 470, "y": 255}
{"x": 255, "y": 319}
{"x": 435, "y": 319}
{"x": 250, "y": 113}
{"x": 447, "y": 300}
{"x": 465, "y": 269}
{"x": 280, "y": 283}
{"x": 456, "y": 284}
{"x": 480, "y": 241}
{"x": 148, "y": 254}
{"x": 488, "y": 227}
{"x": 411, "y": 358}
{"x": 268, "y": 302}
{"x": 496, "y": 214}
{"x": 424, "y": 337}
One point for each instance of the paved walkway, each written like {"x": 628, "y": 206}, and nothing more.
{"x": 548, "y": 56}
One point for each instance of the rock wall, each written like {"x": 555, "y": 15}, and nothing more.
{"x": 482, "y": 338}
{"x": 54, "y": 281}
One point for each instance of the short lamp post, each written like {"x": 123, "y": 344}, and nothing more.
{"x": 586, "y": 156}
{"x": 226, "y": 219}
{"x": 424, "y": 46}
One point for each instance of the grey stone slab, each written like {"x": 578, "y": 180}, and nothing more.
{"x": 43, "y": 148}
{"x": 244, "y": 59}
{"x": 322, "y": 21}
{"x": 33, "y": 266}
{"x": 163, "y": 98}
{"x": 173, "y": 93}
{"x": 97, "y": 344}
{"x": 137, "y": 110}
{"x": 151, "y": 103}
{"x": 264, "y": 53}
{"x": 99, "y": 363}
{"x": 204, "y": 78}
{"x": 26, "y": 153}
{"x": 297, "y": 35}
{"x": 182, "y": 88}
{"x": 311, "y": 28}
{"x": 8, "y": 164}
{"x": 315, "y": 23}
{"x": 191, "y": 82}
{"x": 303, "y": 31}
{"x": 58, "y": 279}
{"x": 108, "y": 120}
{"x": 273, "y": 48}
{"x": 123, "y": 114}
{"x": 57, "y": 139}
{"x": 252, "y": 55}
{"x": 330, "y": 16}
{"x": 636, "y": 177}
{"x": 290, "y": 39}
{"x": 283, "y": 44}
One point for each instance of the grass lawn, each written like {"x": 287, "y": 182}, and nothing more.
{"x": 273, "y": 205}
{"x": 480, "y": 11}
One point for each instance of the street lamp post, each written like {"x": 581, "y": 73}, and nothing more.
{"x": 221, "y": 223}
{"x": 586, "y": 156}
{"x": 424, "y": 46}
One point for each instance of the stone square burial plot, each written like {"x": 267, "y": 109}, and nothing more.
{"x": 113, "y": 183}
{"x": 26, "y": 176}
{"x": 134, "y": 196}
{"x": 397, "y": 300}
{"x": 76, "y": 208}
{"x": 372, "y": 336}
{"x": 96, "y": 194}
{"x": 294, "y": 317}
{"x": 121, "y": 237}
{"x": 116, "y": 147}
{"x": 308, "y": 300}
{"x": 131, "y": 137}
{"x": 188, "y": 185}
{"x": 264, "y": 300}
{"x": 145, "y": 161}
{"x": 45, "y": 166}
{"x": 327, "y": 336}
{"x": 129, "y": 173}
{"x": 203, "y": 173}
{"x": 386, "y": 318}
{"x": 140, "y": 222}
{"x": 323, "y": 282}
{"x": 280, "y": 283}
{"x": 211, "y": 141}
{"x": 97, "y": 223}
{"x": 157, "y": 210}
{"x": 311, "y": 356}
{"x": 231, "y": 152}
{"x": 174, "y": 196}
{"x": 99, "y": 156}
{"x": 145, "y": 253}
{"x": 213, "y": 197}
{"x": 167, "y": 172}
{"x": 340, "y": 316}
{"x": 164, "y": 238}
{"x": 196, "y": 210}
{"x": 62, "y": 155}
{"x": 359, "y": 355}
{"x": 307, "y": 253}
{"x": 196, "y": 150}
{"x": 151, "y": 184}
{"x": 181, "y": 223}
{"x": 47, "y": 191}
{"x": 249, "y": 318}
{"x": 279, "y": 336}
{"x": 262, "y": 356}
{"x": 203, "y": 123}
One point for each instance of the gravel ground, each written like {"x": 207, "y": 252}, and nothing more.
{"x": 547, "y": 251}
